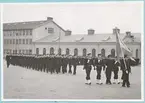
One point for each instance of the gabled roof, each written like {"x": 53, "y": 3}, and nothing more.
{"x": 27, "y": 25}
{"x": 84, "y": 38}
{"x": 22, "y": 25}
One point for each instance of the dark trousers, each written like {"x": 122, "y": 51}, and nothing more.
{"x": 58, "y": 69}
{"x": 88, "y": 71}
{"x": 125, "y": 79}
{"x": 70, "y": 71}
{"x": 99, "y": 69}
{"x": 122, "y": 75}
{"x": 8, "y": 64}
{"x": 108, "y": 75}
{"x": 64, "y": 69}
{"x": 115, "y": 74}
{"x": 74, "y": 66}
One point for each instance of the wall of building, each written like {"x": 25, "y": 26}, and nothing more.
{"x": 80, "y": 47}
{"x": 13, "y": 40}
{"x": 41, "y": 32}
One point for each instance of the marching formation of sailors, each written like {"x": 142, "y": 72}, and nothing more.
{"x": 46, "y": 63}
{"x": 59, "y": 63}
{"x": 109, "y": 65}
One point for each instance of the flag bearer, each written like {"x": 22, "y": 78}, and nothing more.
{"x": 115, "y": 71}
{"x": 126, "y": 70}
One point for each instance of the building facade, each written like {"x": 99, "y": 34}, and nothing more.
{"x": 47, "y": 37}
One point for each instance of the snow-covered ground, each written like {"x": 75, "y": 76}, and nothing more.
{"x": 22, "y": 83}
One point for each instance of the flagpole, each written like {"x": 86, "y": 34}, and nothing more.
{"x": 121, "y": 51}
{"x": 59, "y": 42}
{"x": 124, "y": 59}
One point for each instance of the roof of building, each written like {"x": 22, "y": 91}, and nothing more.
{"x": 26, "y": 25}
{"x": 86, "y": 38}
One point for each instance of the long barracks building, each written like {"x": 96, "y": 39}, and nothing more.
{"x": 47, "y": 37}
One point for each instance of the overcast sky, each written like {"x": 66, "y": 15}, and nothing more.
{"x": 79, "y": 17}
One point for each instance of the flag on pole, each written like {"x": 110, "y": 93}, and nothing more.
{"x": 121, "y": 47}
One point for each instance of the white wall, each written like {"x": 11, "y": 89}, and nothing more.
{"x": 80, "y": 48}
{"x": 40, "y": 31}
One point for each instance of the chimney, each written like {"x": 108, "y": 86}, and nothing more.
{"x": 67, "y": 32}
{"x": 116, "y": 30}
{"x": 91, "y": 31}
{"x": 128, "y": 33}
{"x": 49, "y": 18}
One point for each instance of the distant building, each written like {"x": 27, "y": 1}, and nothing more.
{"x": 47, "y": 37}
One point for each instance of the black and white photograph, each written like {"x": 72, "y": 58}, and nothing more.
{"x": 73, "y": 51}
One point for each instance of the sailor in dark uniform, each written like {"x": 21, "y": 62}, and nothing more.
{"x": 74, "y": 63}
{"x": 126, "y": 70}
{"x": 8, "y": 60}
{"x": 88, "y": 68}
{"x": 70, "y": 64}
{"x": 99, "y": 66}
{"x": 109, "y": 64}
{"x": 115, "y": 71}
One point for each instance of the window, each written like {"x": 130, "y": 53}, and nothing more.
{"x": 10, "y": 41}
{"x": 51, "y": 50}
{"x": 7, "y": 33}
{"x": 16, "y": 41}
{"x": 37, "y": 51}
{"x": 13, "y": 41}
{"x": 44, "y": 51}
{"x": 23, "y": 41}
{"x": 27, "y": 32}
{"x": 17, "y": 34}
{"x": 30, "y": 51}
{"x": 50, "y": 30}
{"x": 15, "y": 51}
{"x": 26, "y": 41}
{"x": 30, "y": 32}
{"x": 75, "y": 52}
{"x": 30, "y": 41}
{"x": 19, "y": 41}
{"x": 136, "y": 53}
{"x": 93, "y": 52}
{"x": 10, "y": 33}
{"x": 59, "y": 51}
{"x": 13, "y": 33}
{"x": 67, "y": 51}
{"x": 84, "y": 52}
{"x": 7, "y": 41}
{"x": 19, "y": 51}
{"x": 113, "y": 52}
{"x": 103, "y": 52}
{"x": 23, "y": 32}
{"x": 20, "y": 32}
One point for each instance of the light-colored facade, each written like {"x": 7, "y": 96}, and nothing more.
{"x": 46, "y": 37}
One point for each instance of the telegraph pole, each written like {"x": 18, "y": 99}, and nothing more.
{"x": 59, "y": 42}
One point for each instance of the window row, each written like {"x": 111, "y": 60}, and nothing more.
{"x": 84, "y": 52}
{"x": 9, "y": 51}
{"x": 17, "y": 33}
{"x": 17, "y": 41}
